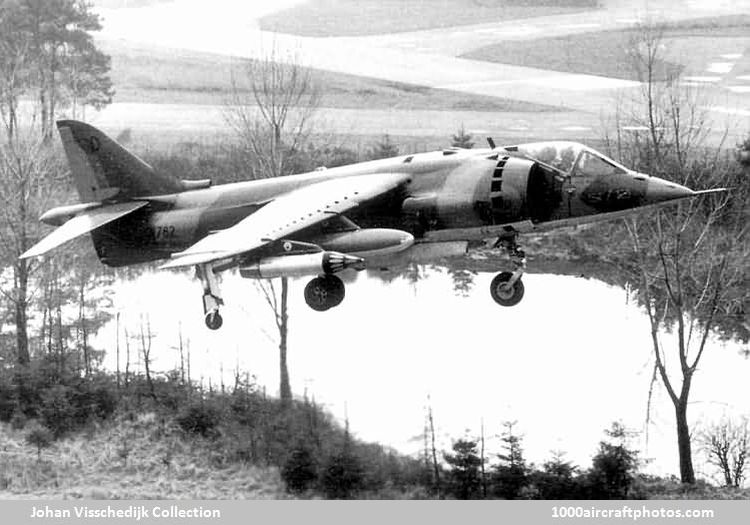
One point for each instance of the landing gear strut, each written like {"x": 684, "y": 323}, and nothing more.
{"x": 507, "y": 288}
{"x": 324, "y": 292}
{"x": 211, "y": 296}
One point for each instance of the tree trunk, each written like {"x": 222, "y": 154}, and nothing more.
{"x": 117, "y": 348}
{"x": 285, "y": 390}
{"x": 146, "y": 349}
{"x": 82, "y": 327}
{"x": 687, "y": 474}
{"x": 127, "y": 358}
{"x": 61, "y": 344}
{"x": 52, "y": 89}
{"x": 22, "y": 338}
{"x": 435, "y": 466}
{"x": 12, "y": 118}
{"x": 43, "y": 108}
{"x": 484, "y": 475}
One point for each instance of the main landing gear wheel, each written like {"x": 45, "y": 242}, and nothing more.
{"x": 214, "y": 320}
{"x": 504, "y": 292}
{"x": 324, "y": 292}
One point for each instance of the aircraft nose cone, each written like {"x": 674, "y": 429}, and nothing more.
{"x": 660, "y": 190}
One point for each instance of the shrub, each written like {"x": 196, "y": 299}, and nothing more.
{"x": 559, "y": 479}
{"x": 58, "y": 411}
{"x": 511, "y": 474}
{"x": 94, "y": 398}
{"x": 300, "y": 470}
{"x": 342, "y": 475}
{"x": 383, "y": 149}
{"x": 464, "y": 474}
{"x": 18, "y": 421}
{"x": 199, "y": 419}
{"x": 7, "y": 399}
{"x": 40, "y": 437}
{"x": 614, "y": 466}
{"x": 743, "y": 152}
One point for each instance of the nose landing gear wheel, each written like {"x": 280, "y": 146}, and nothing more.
{"x": 214, "y": 320}
{"x": 324, "y": 292}
{"x": 503, "y": 292}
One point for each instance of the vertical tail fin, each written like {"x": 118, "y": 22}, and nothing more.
{"x": 104, "y": 170}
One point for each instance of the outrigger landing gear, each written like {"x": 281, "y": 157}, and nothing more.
{"x": 211, "y": 296}
{"x": 324, "y": 292}
{"x": 507, "y": 288}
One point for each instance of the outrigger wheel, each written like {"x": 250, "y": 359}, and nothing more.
{"x": 324, "y": 292}
{"x": 211, "y": 297}
{"x": 504, "y": 292}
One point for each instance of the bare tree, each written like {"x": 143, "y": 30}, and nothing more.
{"x": 689, "y": 262}
{"x": 727, "y": 444}
{"x": 687, "y": 282}
{"x": 127, "y": 357}
{"x": 53, "y": 294}
{"x": 181, "y": 348}
{"x": 147, "y": 338}
{"x": 659, "y": 126}
{"x": 14, "y": 67}
{"x": 29, "y": 170}
{"x": 83, "y": 329}
{"x": 433, "y": 451}
{"x": 279, "y": 306}
{"x": 273, "y": 101}
{"x": 117, "y": 349}
{"x": 482, "y": 459}
{"x": 272, "y": 104}
{"x": 36, "y": 41}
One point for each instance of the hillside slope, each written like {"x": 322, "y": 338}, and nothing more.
{"x": 139, "y": 458}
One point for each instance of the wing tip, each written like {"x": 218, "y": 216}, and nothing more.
{"x": 36, "y": 251}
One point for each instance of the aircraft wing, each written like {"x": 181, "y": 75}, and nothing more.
{"x": 85, "y": 222}
{"x": 288, "y": 214}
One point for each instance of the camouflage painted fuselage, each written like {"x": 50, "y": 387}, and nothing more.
{"x": 453, "y": 195}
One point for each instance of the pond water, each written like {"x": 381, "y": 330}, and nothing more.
{"x": 574, "y": 356}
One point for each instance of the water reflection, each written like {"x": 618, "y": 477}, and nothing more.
{"x": 571, "y": 358}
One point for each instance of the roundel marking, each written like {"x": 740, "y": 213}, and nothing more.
{"x": 287, "y": 246}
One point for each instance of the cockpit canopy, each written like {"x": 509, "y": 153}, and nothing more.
{"x": 570, "y": 158}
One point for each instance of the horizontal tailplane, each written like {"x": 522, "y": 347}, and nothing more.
{"x": 82, "y": 223}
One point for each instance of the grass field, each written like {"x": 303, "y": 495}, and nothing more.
{"x": 605, "y": 53}
{"x": 322, "y": 18}
{"x": 148, "y": 75}
{"x": 140, "y": 459}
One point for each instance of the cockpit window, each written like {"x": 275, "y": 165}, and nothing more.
{"x": 558, "y": 154}
{"x": 563, "y": 156}
{"x": 592, "y": 165}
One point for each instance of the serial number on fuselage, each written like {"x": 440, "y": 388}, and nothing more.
{"x": 162, "y": 233}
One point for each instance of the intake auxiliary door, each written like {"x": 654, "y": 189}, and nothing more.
{"x": 508, "y": 188}
{"x": 522, "y": 189}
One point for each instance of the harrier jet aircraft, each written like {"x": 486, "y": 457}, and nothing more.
{"x": 378, "y": 214}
